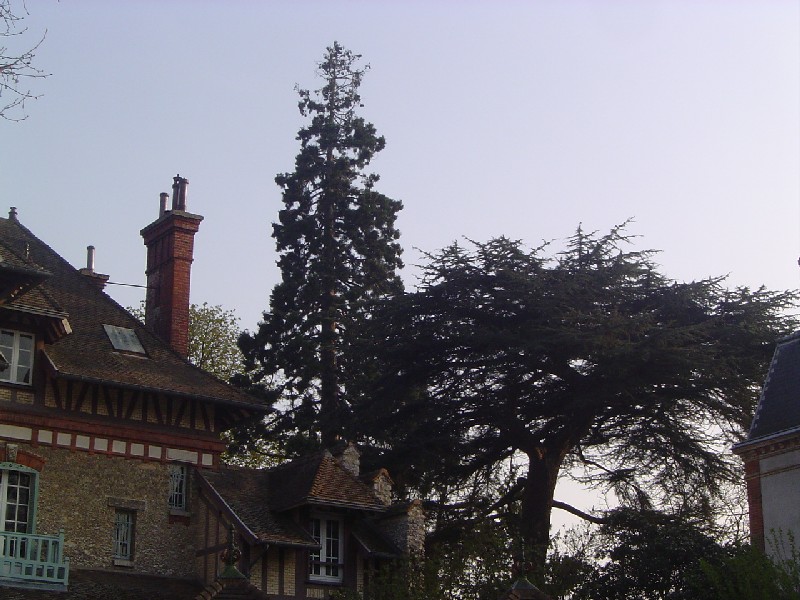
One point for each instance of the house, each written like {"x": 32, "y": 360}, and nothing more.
{"x": 110, "y": 448}
{"x": 771, "y": 453}
{"x": 305, "y": 528}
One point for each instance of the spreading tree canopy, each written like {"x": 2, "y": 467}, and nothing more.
{"x": 590, "y": 362}
{"x": 338, "y": 249}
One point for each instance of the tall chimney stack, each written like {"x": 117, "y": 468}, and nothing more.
{"x": 170, "y": 251}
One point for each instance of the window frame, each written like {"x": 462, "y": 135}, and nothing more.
{"x": 14, "y": 359}
{"x": 178, "y": 487}
{"x": 319, "y": 559}
{"x": 130, "y": 527}
{"x": 33, "y": 494}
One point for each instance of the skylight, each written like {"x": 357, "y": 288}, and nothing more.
{"x": 124, "y": 339}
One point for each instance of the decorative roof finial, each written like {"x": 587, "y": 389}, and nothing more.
{"x": 230, "y": 556}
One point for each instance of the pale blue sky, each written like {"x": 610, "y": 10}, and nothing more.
{"x": 515, "y": 118}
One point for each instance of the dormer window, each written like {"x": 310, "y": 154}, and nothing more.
{"x": 17, "y": 350}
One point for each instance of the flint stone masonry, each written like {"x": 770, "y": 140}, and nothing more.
{"x": 382, "y": 486}
{"x": 406, "y": 528}
{"x": 80, "y": 493}
{"x": 350, "y": 459}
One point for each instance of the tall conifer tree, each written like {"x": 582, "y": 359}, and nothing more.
{"x": 338, "y": 249}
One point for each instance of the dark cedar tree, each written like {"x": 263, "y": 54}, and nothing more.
{"x": 338, "y": 249}
{"x": 590, "y": 363}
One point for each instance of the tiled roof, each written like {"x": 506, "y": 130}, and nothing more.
{"x": 246, "y": 493}
{"x": 87, "y": 353}
{"x": 779, "y": 406}
{"x": 319, "y": 479}
{"x": 374, "y": 543}
{"x": 17, "y": 272}
{"x": 37, "y": 301}
{"x": 258, "y": 496}
{"x": 116, "y": 585}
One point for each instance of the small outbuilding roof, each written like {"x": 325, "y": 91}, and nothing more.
{"x": 260, "y": 498}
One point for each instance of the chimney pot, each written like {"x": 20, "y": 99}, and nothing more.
{"x": 98, "y": 279}
{"x": 179, "y": 187}
{"x": 164, "y": 196}
{"x": 12, "y": 213}
{"x": 175, "y": 185}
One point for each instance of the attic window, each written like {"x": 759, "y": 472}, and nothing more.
{"x": 124, "y": 339}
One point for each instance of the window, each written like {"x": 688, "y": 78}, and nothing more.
{"x": 17, "y": 498}
{"x": 17, "y": 349}
{"x": 325, "y": 564}
{"x": 178, "y": 477}
{"x": 124, "y": 339}
{"x": 124, "y": 527}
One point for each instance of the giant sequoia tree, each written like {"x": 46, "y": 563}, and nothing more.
{"x": 338, "y": 250}
{"x": 590, "y": 362}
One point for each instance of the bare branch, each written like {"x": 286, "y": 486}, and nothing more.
{"x": 579, "y": 513}
{"x": 16, "y": 66}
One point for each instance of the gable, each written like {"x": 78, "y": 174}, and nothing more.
{"x": 319, "y": 480}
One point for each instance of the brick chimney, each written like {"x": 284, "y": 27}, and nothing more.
{"x": 170, "y": 250}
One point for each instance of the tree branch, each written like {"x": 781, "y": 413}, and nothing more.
{"x": 579, "y": 513}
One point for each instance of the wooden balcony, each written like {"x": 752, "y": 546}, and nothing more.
{"x": 33, "y": 561}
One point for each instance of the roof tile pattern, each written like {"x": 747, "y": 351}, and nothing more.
{"x": 779, "y": 406}
{"x": 87, "y": 352}
{"x": 246, "y": 492}
{"x": 259, "y": 496}
{"x": 319, "y": 479}
{"x": 373, "y": 543}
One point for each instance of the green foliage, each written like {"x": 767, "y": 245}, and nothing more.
{"x": 472, "y": 568}
{"x": 571, "y": 561}
{"x": 338, "y": 249}
{"x": 213, "y": 333}
{"x": 589, "y": 362}
{"x": 748, "y": 574}
{"x": 651, "y": 556}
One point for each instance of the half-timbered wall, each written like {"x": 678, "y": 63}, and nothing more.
{"x": 130, "y": 405}
{"x": 113, "y": 421}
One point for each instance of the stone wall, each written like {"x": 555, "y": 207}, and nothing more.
{"x": 80, "y": 493}
{"x": 405, "y": 527}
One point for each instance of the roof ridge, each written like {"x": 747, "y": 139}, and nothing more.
{"x": 297, "y": 461}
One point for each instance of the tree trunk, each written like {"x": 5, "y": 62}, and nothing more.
{"x": 537, "y": 504}
{"x": 329, "y": 373}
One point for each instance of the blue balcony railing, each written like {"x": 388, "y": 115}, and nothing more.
{"x": 31, "y": 560}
